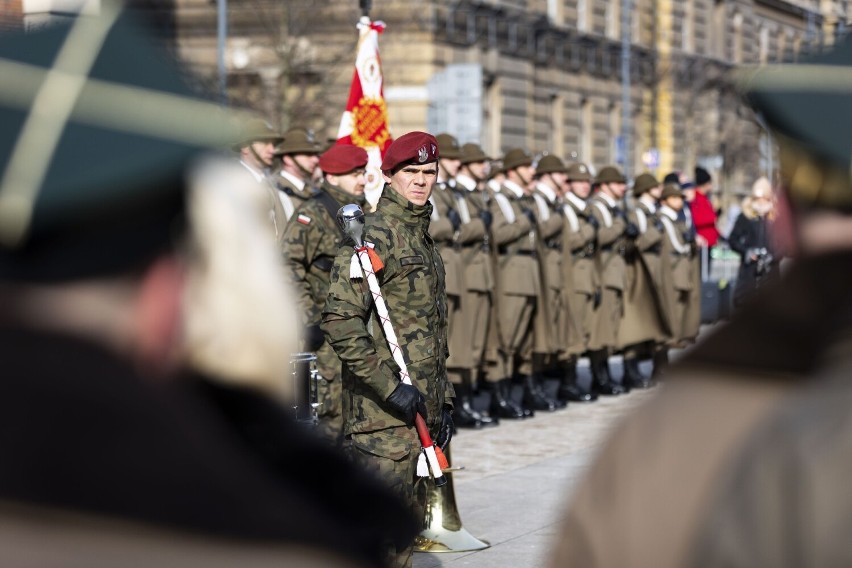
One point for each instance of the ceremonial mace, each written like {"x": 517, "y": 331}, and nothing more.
{"x": 350, "y": 218}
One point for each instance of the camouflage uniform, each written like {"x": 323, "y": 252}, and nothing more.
{"x": 412, "y": 284}
{"x": 312, "y": 241}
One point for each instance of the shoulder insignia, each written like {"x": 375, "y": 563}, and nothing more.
{"x": 303, "y": 219}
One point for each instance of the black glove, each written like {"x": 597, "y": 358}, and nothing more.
{"x": 596, "y": 298}
{"x": 529, "y": 215}
{"x": 619, "y": 213}
{"x": 631, "y": 231}
{"x": 593, "y": 221}
{"x": 454, "y": 218}
{"x": 314, "y": 337}
{"x": 658, "y": 224}
{"x": 408, "y": 401}
{"x": 447, "y": 429}
{"x": 487, "y": 218}
{"x": 689, "y": 236}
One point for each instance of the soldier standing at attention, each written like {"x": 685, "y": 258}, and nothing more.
{"x": 613, "y": 233}
{"x": 473, "y": 244}
{"x": 378, "y": 408}
{"x": 643, "y": 324}
{"x": 299, "y": 156}
{"x": 313, "y": 240}
{"x": 450, "y": 225}
{"x": 566, "y": 342}
{"x": 257, "y": 154}
{"x": 519, "y": 280}
{"x": 579, "y": 275}
{"x": 678, "y": 282}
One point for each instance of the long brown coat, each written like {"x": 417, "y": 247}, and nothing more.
{"x": 644, "y": 318}
{"x": 579, "y": 278}
{"x": 742, "y": 461}
{"x": 678, "y": 274}
{"x": 609, "y": 264}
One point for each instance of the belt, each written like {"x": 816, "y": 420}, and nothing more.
{"x": 553, "y": 245}
{"x": 656, "y": 249}
{"x": 505, "y": 250}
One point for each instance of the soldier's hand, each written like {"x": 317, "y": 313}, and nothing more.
{"x": 528, "y": 213}
{"x": 689, "y": 236}
{"x": 314, "y": 337}
{"x": 447, "y": 429}
{"x": 658, "y": 224}
{"x": 593, "y": 221}
{"x": 596, "y": 298}
{"x": 454, "y": 218}
{"x": 619, "y": 213}
{"x": 631, "y": 231}
{"x": 487, "y": 218}
{"x": 408, "y": 401}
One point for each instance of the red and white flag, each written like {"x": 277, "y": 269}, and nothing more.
{"x": 365, "y": 121}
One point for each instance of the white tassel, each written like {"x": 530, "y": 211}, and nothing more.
{"x": 422, "y": 465}
{"x": 355, "y": 270}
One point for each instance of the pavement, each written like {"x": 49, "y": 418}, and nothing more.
{"x": 518, "y": 476}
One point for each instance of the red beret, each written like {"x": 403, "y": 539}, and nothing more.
{"x": 412, "y": 148}
{"x": 342, "y": 159}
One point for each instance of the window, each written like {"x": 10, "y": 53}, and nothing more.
{"x": 586, "y": 130}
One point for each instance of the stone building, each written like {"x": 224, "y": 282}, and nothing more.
{"x": 543, "y": 74}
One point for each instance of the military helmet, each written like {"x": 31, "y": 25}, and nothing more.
{"x": 549, "y": 164}
{"x": 298, "y": 141}
{"x": 472, "y": 153}
{"x": 671, "y": 189}
{"x": 515, "y": 158}
{"x": 610, "y": 174}
{"x": 644, "y": 182}
{"x": 448, "y": 146}
{"x": 579, "y": 172}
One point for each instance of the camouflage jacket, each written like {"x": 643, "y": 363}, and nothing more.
{"x": 312, "y": 240}
{"x": 412, "y": 284}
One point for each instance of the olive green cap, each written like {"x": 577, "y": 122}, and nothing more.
{"x": 299, "y": 141}
{"x": 550, "y": 164}
{"x": 610, "y": 174}
{"x": 472, "y": 153}
{"x": 807, "y": 106}
{"x": 516, "y": 158}
{"x": 579, "y": 172}
{"x": 671, "y": 189}
{"x": 257, "y": 129}
{"x": 92, "y": 173}
{"x": 448, "y": 146}
{"x": 644, "y": 182}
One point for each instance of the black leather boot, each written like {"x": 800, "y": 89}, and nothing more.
{"x": 466, "y": 402}
{"x": 569, "y": 390}
{"x": 601, "y": 381}
{"x": 633, "y": 376}
{"x": 535, "y": 397}
{"x": 502, "y": 405}
{"x": 464, "y": 416}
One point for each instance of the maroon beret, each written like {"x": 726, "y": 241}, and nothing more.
{"x": 342, "y": 159}
{"x": 412, "y": 148}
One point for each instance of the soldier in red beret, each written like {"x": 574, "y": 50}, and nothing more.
{"x": 379, "y": 409}
{"x": 312, "y": 239}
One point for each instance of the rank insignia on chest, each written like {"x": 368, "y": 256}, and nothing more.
{"x": 303, "y": 219}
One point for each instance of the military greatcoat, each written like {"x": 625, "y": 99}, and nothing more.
{"x": 678, "y": 285}
{"x": 312, "y": 240}
{"x": 611, "y": 271}
{"x": 580, "y": 280}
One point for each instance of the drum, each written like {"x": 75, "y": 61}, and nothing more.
{"x": 306, "y": 377}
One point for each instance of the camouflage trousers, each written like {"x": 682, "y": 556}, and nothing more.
{"x": 391, "y": 455}
{"x": 330, "y": 395}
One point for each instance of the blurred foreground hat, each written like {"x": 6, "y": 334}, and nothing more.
{"x": 342, "y": 159}
{"x": 448, "y": 146}
{"x": 610, "y": 174}
{"x": 671, "y": 189}
{"x": 412, "y": 148}
{"x": 298, "y": 141}
{"x": 472, "y": 153}
{"x": 515, "y": 158}
{"x": 93, "y": 172}
{"x": 761, "y": 188}
{"x": 549, "y": 164}
{"x": 644, "y": 182}
{"x": 579, "y": 172}
{"x": 807, "y": 106}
